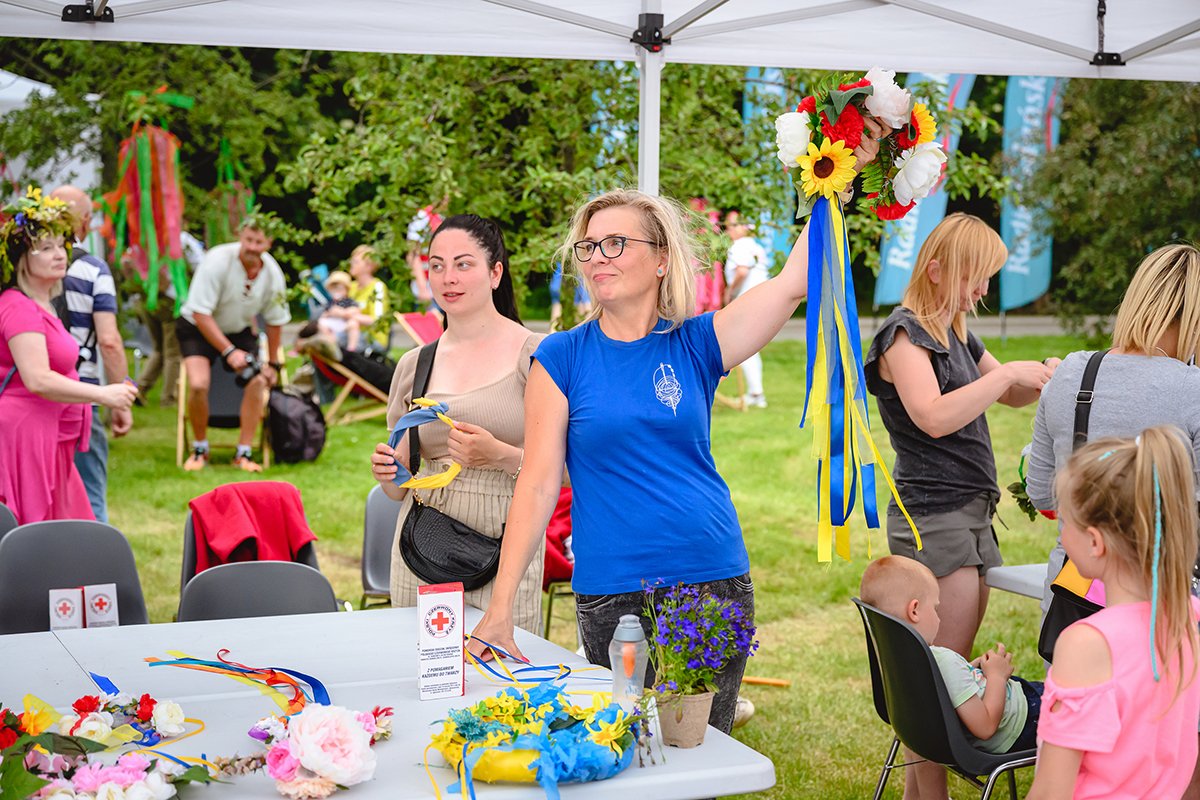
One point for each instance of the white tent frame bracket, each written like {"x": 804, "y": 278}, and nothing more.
{"x": 1102, "y": 58}
{"x": 649, "y": 33}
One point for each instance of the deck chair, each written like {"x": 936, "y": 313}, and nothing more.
{"x": 421, "y": 327}
{"x": 256, "y": 589}
{"x": 349, "y": 375}
{"x": 59, "y": 554}
{"x": 737, "y": 403}
{"x": 8, "y": 520}
{"x": 379, "y": 534}
{"x": 918, "y": 708}
{"x": 224, "y": 411}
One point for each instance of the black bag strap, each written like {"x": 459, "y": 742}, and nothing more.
{"x": 1083, "y": 400}
{"x": 420, "y": 384}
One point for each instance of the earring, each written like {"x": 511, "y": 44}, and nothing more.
{"x": 660, "y": 272}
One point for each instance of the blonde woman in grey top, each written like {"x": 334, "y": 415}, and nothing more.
{"x": 1145, "y": 380}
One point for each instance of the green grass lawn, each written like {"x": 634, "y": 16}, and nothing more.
{"x": 822, "y": 732}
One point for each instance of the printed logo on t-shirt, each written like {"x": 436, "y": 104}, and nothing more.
{"x": 666, "y": 386}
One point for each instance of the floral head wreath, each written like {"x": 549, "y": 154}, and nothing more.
{"x": 264, "y": 221}
{"x": 24, "y": 222}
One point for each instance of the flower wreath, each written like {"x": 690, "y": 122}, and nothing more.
{"x": 910, "y": 161}
{"x": 30, "y": 218}
{"x": 314, "y": 752}
{"x": 537, "y": 735}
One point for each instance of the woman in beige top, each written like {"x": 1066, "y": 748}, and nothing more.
{"x": 479, "y": 371}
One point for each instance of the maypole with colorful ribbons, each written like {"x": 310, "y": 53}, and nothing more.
{"x": 145, "y": 211}
{"x": 835, "y": 403}
{"x": 232, "y": 200}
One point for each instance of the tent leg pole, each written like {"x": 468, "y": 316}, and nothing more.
{"x": 649, "y": 118}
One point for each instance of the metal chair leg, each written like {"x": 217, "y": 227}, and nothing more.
{"x": 888, "y": 766}
{"x": 1012, "y": 784}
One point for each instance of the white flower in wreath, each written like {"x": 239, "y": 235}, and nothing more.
{"x": 66, "y": 722}
{"x": 110, "y": 791}
{"x": 792, "y": 134}
{"x": 919, "y": 170}
{"x": 160, "y": 788}
{"x": 96, "y": 726}
{"x": 167, "y": 718}
{"x": 887, "y": 102}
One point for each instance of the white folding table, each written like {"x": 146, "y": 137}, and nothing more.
{"x": 364, "y": 659}
{"x": 1024, "y": 579}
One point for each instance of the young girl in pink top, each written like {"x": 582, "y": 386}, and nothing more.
{"x": 1122, "y": 699}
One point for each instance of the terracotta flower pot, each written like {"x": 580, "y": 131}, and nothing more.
{"x": 683, "y": 718}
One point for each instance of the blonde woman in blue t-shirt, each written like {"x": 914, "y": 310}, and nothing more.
{"x": 624, "y": 402}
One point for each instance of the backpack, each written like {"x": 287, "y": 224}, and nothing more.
{"x": 297, "y": 427}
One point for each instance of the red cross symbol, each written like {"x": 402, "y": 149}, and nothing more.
{"x": 440, "y": 621}
{"x": 65, "y": 608}
{"x": 100, "y": 603}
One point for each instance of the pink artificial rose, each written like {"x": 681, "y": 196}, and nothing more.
{"x": 331, "y": 742}
{"x": 368, "y": 721}
{"x": 306, "y": 788}
{"x": 281, "y": 765}
{"x": 88, "y": 778}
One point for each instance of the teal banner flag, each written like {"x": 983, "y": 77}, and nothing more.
{"x": 1030, "y": 131}
{"x": 902, "y": 238}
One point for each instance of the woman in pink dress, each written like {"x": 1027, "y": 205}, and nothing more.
{"x": 45, "y": 411}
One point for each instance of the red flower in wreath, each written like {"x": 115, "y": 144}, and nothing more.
{"x": 145, "y": 708}
{"x": 808, "y": 104}
{"x": 86, "y": 705}
{"x": 845, "y": 87}
{"x": 848, "y": 128}
{"x": 7, "y": 737}
{"x": 891, "y": 211}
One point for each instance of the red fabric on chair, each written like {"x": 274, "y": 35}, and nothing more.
{"x": 557, "y": 566}
{"x": 250, "y": 521}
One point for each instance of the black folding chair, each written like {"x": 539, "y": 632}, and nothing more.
{"x": 379, "y": 534}
{"x": 917, "y": 707}
{"x": 256, "y": 589}
{"x": 60, "y": 554}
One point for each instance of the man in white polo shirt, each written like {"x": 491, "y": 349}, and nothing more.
{"x": 234, "y": 283}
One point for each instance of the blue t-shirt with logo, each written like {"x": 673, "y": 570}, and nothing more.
{"x": 647, "y": 502}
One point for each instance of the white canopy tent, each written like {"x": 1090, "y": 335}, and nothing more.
{"x": 1134, "y": 39}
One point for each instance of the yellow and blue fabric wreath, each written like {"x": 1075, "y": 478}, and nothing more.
{"x": 835, "y": 403}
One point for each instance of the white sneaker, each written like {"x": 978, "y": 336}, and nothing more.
{"x": 755, "y": 401}
{"x": 743, "y": 712}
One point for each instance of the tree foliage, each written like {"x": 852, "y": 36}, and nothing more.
{"x": 1122, "y": 182}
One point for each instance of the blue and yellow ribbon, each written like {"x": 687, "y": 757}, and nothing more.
{"x": 429, "y": 411}
{"x": 835, "y": 403}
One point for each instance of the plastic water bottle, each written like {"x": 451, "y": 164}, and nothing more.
{"x": 627, "y": 655}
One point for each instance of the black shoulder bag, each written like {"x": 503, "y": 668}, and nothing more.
{"x": 435, "y": 546}
{"x": 1066, "y": 607}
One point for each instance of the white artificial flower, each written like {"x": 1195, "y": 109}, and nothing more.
{"x": 919, "y": 170}
{"x": 139, "y": 791}
{"x": 792, "y": 134}
{"x": 96, "y": 726}
{"x": 167, "y": 718}
{"x": 887, "y": 102}
{"x": 110, "y": 791}
{"x": 160, "y": 788}
{"x": 120, "y": 699}
{"x": 169, "y": 768}
{"x": 63, "y": 791}
{"x": 272, "y": 726}
{"x": 66, "y": 722}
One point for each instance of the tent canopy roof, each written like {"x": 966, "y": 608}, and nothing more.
{"x": 1157, "y": 39}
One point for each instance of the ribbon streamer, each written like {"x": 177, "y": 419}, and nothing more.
{"x": 267, "y": 677}
{"x": 428, "y": 412}
{"x": 835, "y": 403}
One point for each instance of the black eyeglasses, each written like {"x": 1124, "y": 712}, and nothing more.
{"x": 610, "y": 246}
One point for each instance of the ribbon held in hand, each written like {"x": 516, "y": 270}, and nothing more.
{"x": 428, "y": 412}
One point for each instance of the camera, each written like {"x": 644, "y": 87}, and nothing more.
{"x": 247, "y": 373}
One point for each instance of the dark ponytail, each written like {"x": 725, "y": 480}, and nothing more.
{"x": 490, "y": 238}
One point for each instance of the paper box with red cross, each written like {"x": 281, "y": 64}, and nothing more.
{"x": 440, "y": 641}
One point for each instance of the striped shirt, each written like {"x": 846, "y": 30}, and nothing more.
{"x": 88, "y": 288}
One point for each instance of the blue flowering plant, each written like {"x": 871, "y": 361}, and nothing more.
{"x": 693, "y": 636}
